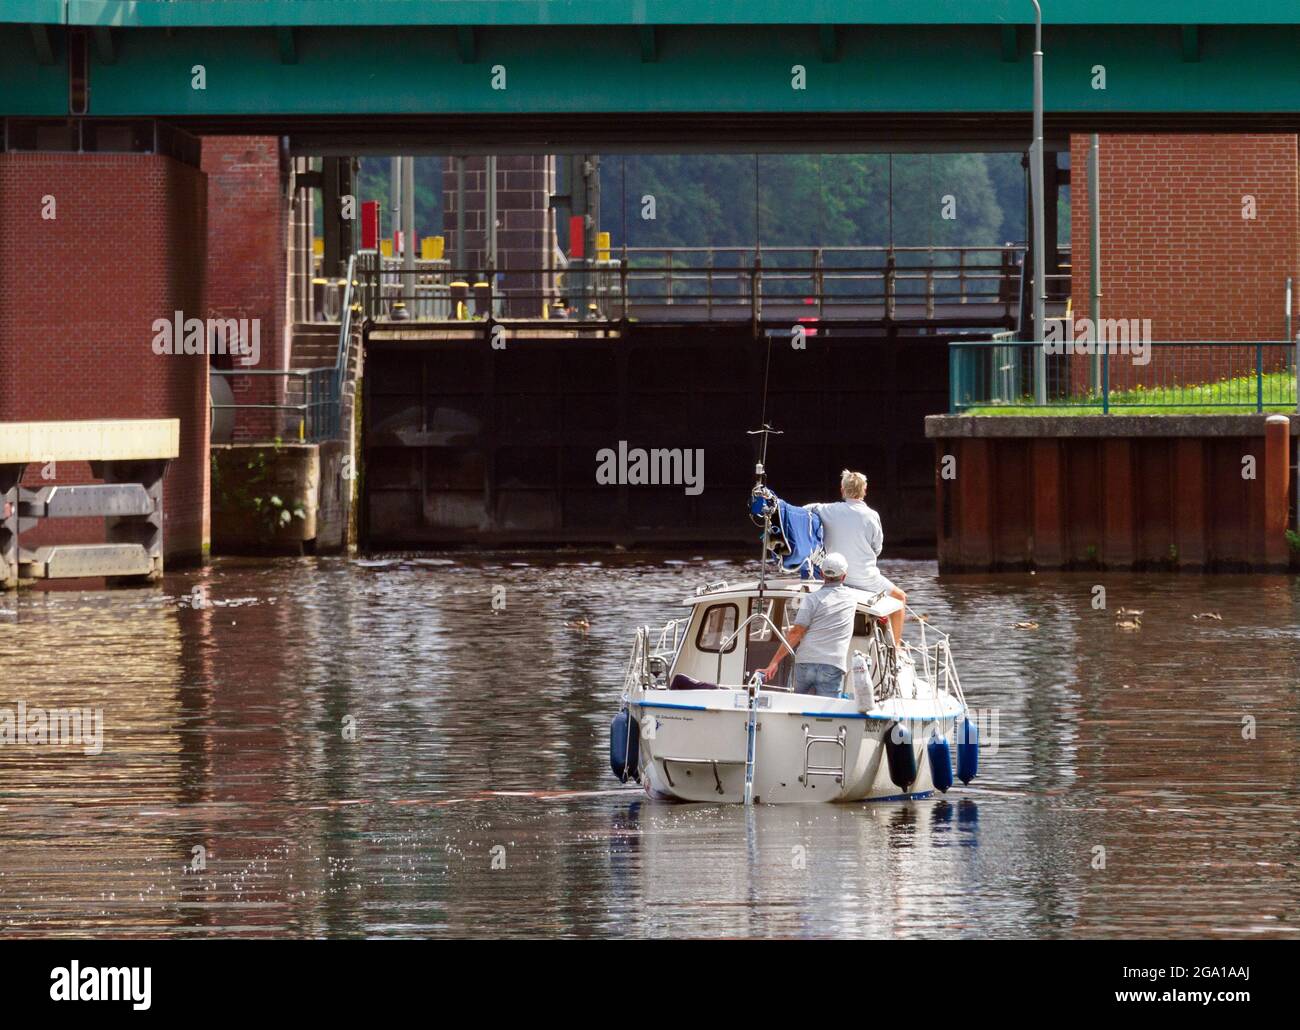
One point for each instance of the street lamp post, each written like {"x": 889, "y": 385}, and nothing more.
{"x": 1040, "y": 233}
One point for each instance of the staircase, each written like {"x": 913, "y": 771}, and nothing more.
{"x": 315, "y": 345}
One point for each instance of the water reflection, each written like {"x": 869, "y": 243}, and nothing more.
{"x": 1123, "y": 795}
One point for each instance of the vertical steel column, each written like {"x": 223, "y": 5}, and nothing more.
{"x": 1094, "y": 251}
{"x": 408, "y": 233}
{"x": 459, "y": 270}
{"x": 1040, "y": 216}
{"x": 1294, "y": 342}
{"x": 490, "y": 218}
{"x": 395, "y": 194}
{"x": 396, "y": 309}
{"x": 490, "y": 238}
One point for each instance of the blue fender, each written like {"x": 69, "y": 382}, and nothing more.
{"x": 940, "y": 762}
{"x": 625, "y": 747}
{"x": 968, "y": 750}
{"x": 901, "y": 757}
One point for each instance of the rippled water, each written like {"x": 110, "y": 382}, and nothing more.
{"x": 478, "y": 730}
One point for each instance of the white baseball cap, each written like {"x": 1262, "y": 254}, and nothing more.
{"x": 834, "y": 566}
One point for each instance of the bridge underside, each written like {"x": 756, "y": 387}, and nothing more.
{"x": 655, "y": 132}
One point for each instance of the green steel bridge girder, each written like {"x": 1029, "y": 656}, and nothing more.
{"x": 319, "y": 59}
{"x": 534, "y": 13}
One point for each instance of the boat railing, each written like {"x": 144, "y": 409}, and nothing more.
{"x": 638, "y": 666}
{"x": 935, "y": 661}
{"x": 652, "y": 644}
{"x": 669, "y": 639}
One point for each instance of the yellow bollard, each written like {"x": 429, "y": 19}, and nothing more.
{"x": 459, "y": 293}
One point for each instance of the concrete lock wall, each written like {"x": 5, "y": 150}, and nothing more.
{"x": 93, "y": 249}
{"x": 309, "y": 484}
{"x": 1197, "y": 492}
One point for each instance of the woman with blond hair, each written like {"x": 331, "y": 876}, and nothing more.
{"x": 854, "y": 530}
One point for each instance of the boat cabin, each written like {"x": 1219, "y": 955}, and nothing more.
{"x": 710, "y": 652}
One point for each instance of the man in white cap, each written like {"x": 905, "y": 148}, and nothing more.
{"x": 821, "y": 634}
{"x": 853, "y": 529}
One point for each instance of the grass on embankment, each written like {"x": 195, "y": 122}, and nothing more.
{"x": 1225, "y": 397}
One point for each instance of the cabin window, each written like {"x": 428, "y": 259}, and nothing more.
{"x": 790, "y": 610}
{"x": 719, "y": 622}
{"x": 761, "y": 629}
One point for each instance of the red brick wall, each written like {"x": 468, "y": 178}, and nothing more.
{"x": 247, "y": 255}
{"x": 1174, "y": 245}
{"x": 78, "y": 297}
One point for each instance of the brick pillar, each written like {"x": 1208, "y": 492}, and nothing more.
{"x": 247, "y": 264}
{"x": 80, "y": 292}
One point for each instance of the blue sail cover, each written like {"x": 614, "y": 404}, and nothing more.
{"x": 796, "y": 537}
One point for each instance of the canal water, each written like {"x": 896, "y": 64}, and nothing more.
{"x": 417, "y": 746}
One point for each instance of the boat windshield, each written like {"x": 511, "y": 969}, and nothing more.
{"x": 762, "y": 642}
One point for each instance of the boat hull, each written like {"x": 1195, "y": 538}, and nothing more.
{"x": 806, "y": 749}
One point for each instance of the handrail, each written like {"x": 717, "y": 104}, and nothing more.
{"x": 826, "y": 279}
{"x": 722, "y": 648}
{"x": 345, "y": 328}
{"x": 314, "y": 421}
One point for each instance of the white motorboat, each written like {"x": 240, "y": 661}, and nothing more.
{"x": 699, "y": 724}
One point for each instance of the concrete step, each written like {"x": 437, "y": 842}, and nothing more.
{"x": 316, "y": 346}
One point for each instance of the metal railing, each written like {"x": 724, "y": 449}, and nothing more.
{"x": 308, "y": 410}
{"x": 711, "y": 282}
{"x": 1146, "y": 377}
{"x": 825, "y": 278}
{"x": 345, "y": 328}
{"x": 652, "y": 646}
{"x": 307, "y": 405}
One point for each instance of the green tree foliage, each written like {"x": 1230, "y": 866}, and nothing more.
{"x": 735, "y": 200}
{"x": 813, "y": 199}
{"x": 373, "y": 184}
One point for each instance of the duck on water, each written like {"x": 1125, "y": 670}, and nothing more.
{"x": 710, "y": 713}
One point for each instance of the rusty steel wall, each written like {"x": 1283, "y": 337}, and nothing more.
{"x": 1145, "y": 500}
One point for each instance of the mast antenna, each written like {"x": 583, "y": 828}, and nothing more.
{"x": 766, "y": 431}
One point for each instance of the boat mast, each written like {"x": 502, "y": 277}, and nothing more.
{"x": 765, "y": 430}
{"x": 760, "y": 483}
